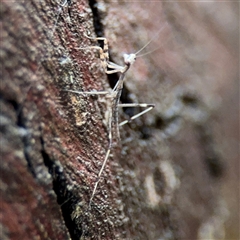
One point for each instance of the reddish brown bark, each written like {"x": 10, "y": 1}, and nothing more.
{"x": 164, "y": 180}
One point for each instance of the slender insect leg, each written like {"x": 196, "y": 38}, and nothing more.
{"x": 111, "y": 95}
{"x": 104, "y": 56}
{"x": 88, "y": 93}
{"x": 105, "y": 44}
{"x": 105, "y": 63}
{"x": 105, "y": 159}
{"x": 145, "y": 105}
{"x": 149, "y": 107}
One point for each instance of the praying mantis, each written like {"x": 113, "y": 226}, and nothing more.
{"x": 114, "y": 95}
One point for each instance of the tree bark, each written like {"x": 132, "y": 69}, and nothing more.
{"x": 164, "y": 180}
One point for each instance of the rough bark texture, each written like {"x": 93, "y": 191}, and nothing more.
{"x": 174, "y": 175}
